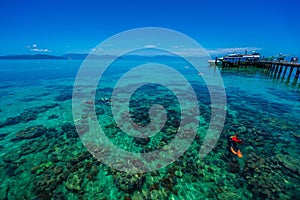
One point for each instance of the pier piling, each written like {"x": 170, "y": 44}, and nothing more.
{"x": 291, "y": 70}
{"x": 297, "y": 73}
{"x": 276, "y": 69}
{"x": 280, "y": 70}
{"x": 284, "y": 72}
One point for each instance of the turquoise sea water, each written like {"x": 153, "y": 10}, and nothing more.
{"x": 42, "y": 156}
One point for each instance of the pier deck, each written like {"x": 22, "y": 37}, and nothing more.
{"x": 277, "y": 69}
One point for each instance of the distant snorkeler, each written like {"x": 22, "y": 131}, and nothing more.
{"x": 102, "y": 100}
{"x": 105, "y": 100}
{"x": 232, "y": 143}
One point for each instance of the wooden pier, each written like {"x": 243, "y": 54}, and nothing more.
{"x": 276, "y": 69}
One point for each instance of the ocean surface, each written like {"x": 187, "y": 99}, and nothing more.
{"x": 43, "y": 157}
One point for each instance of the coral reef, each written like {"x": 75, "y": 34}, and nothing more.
{"x": 70, "y": 130}
{"x": 74, "y": 182}
{"x": 28, "y": 115}
{"x": 63, "y": 97}
{"x": 30, "y": 132}
{"x": 128, "y": 182}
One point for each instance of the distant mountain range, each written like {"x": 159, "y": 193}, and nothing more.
{"x": 73, "y": 56}
{"x": 83, "y": 56}
{"x": 43, "y": 57}
{"x": 29, "y": 57}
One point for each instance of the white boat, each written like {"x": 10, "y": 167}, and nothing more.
{"x": 213, "y": 62}
{"x": 234, "y": 58}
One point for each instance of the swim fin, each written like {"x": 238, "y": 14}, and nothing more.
{"x": 239, "y": 154}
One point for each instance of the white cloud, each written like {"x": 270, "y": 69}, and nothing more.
{"x": 232, "y": 50}
{"x": 150, "y": 46}
{"x": 197, "y": 52}
{"x": 200, "y": 52}
{"x": 96, "y": 50}
{"x": 40, "y": 50}
{"x": 177, "y": 46}
{"x": 35, "y": 48}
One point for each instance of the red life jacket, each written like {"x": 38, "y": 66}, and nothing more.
{"x": 235, "y": 139}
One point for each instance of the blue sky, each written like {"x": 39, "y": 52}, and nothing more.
{"x": 59, "y": 27}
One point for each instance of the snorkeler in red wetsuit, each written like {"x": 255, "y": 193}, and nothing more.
{"x": 232, "y": 141}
